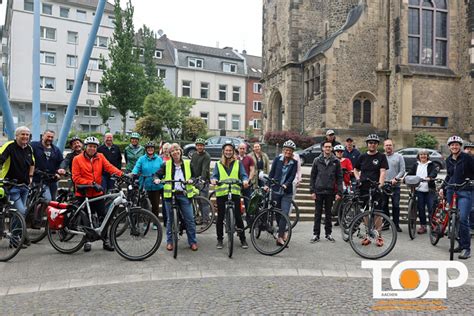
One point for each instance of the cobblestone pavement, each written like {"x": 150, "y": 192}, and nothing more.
{"x": 305, "y": 278}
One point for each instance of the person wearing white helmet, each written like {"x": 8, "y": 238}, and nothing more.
{"x": 460, "y": 166}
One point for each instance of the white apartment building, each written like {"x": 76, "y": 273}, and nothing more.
{"x": 65, "y": 26}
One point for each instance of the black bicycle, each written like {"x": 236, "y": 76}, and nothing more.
{"x": 204, "y": 210}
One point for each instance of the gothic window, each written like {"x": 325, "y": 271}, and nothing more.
{"x": 306, "y": 83}
{"x": 317, "y": 79}
{"x": 311, "y": 82}
{"x": 362, "y": 111}
{"x": 428, "y": 32}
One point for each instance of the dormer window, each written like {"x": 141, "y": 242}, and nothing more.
{"x": 158, "y": 54}
{"x": 228, "y": 67}
{"x": 195, "y": 63}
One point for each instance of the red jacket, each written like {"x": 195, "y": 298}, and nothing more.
{"x": 346, "y": 164}
{"x": 87, "y": 170}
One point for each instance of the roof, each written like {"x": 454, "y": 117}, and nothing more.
{"x": 352, "y": 18}
{"x": 226, "y": 52}
{"x": 92, "y": 4}
{"x": 254, "y": 65}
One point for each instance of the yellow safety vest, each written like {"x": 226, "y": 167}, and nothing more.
{"x": 223, "y": 189}
{"x": 168, "y": 187}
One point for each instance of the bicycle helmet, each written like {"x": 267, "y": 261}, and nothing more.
{"x": 289, "y": 144}
{"x": 150, "y": 144}
{"x": 73, "y": 139}
{"x": 91, "y": 140}
{"x": 339, "y": 148}
{"x": 228, "y": 143}
{"x": 469, "y": 145}
{"x": 372, "y": 138}
{"x": 135, "y": 135}
{"x": 455, "y": 139}
{"x": 200, "y": 141}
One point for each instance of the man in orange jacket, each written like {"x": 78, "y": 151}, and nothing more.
{"x": 87, "y": 169}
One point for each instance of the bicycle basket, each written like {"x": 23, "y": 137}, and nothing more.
{"x": 56, "y": 215}
{"x": 255, "y": 200}
{"x": 412, "y": 180}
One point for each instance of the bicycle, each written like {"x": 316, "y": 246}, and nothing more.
{"x": 71, "y": 225}
{"x": 12, "y": 224}
{"x": 366, "y": 228}
{"x": 200, "y": 203}
{"x": 412, "y": 182}
{"x": 350, "y": 208}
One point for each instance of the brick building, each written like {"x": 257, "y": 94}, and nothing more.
{"x": 394, "y": 67}
{"x": 253, "y": 111}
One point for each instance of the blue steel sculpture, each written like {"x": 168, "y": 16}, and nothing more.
{"x": 68, "y": 119}
{"x": 35, "y": 80}
{"x": 6, "y": 110}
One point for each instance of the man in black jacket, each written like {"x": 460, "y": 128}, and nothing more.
{"x": 113, "y": 155}
{"x": 325, "y": 184}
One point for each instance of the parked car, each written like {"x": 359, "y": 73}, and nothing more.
{"x": 214, "y": 146}
{"x": 409, "y": 155}
{"x": 307, "y": 155}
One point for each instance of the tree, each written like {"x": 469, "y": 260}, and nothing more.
{"x": 148, "y": 42}
{"x": 194, "y": 127}
{"x": 105, "y": 112}
{"x": 125, "y": 80}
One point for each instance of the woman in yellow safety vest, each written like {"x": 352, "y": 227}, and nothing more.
{"x": 229, "y": 168}
{"x": 178, "y": 169}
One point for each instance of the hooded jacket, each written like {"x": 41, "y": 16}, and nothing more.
{"x": 326, "y": 178}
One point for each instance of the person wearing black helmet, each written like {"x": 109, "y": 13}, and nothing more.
{"x": 76, "y": 146}
{"x": 469, "y": 148}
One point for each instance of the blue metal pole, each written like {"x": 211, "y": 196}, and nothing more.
{"x": 7, "y": 111}
{"x": 35, "y": 81}
{"x": 68, "y": 119}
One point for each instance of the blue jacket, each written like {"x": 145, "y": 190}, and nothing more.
{"x": 353, "y": 156}
{"x": 460, "y": 169}
{"x": 50, "y": 165}
{"x": 276, "y": 172}
{"x": 146, "y": 167}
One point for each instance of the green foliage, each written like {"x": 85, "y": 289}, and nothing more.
{"x": 193, "y": 127}
{"x": 125, "y": 80}
{"x": 148, "y": 42}
{"x": 249, "y": 132}
{"x": 425, "y": 140}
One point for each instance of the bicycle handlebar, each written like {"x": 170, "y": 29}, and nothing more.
{"x": 456, "y": 186}
{"x": 13, "y": 183}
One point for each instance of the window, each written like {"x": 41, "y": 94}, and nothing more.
{"x": 257, "y": 106}
{"x": 195, "y": 63}
{"x": 162, "y": 73}
{"x": 48, "y": 33}
{"x": 236, "y": 94}
{"x": 317, "y": 79}
{"x": 47, "y": 83}
{"x": 186, "y": 92}
{"x": 430, "y": 121}
{"x": 205, "y": 118}
{"x": 28, "y": 5}
{"x": 222, "y": 92}
{"x": 93, "y": 112}
{"x": 235, "y": 122}
{"x": 95, "y": 87}
{"x": 69, "y": 84}
{"x": 221, "y": 124}
{"x": 158, "y": 54}
{"x": 81, "y": 15}
{"x": 64, "y": 12}
{"x": 72, "y": 37}
{"x": 111, "y": 20}
{"x": 227, "y": 67}
{"x": 48, "y": 58}
{"x": 71, "y": 61}
{"x": 47, "y": 9}
{"x": 204, "y": 90}
{"x": 93, "y": 64}
{"x": 362, "y": 111}
{"x": 257, "y": 124}
{"x": 428, "y": 32}
{"x": 76, "y": 112}
{"x": 101, "y": 41}
{"x": 257, "y": 88}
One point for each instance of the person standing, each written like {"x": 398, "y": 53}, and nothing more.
{"x": 249, "y": 166}
{"x": 48, "y": 159}
{"x": 261, "y": 163}
{"x": 200, "y": 167}
{"x": 330, "y": 137}
{"x": 114, "y": 156}
{"x": 395, "y": 172}
{"x": 133, "y": 151}
{"x": 325, "y": 185}
{"x": 351, "y": 152}
{"x": 76, "y": 146}
{"x": 469, "y": 149}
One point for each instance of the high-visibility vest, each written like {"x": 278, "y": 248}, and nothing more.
{"x": 168, "y": 187}
{"x": 223, "y": 189}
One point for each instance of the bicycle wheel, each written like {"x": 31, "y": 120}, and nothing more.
{"x": 145, "y": 203}
{"x": 295, "y": 211}
{"x": 452, "y": 234}
{"x": 265, "y": 228}
{"x": 63, "y": 240}
{"x": 230, "y": 227}
{"x": 365, "y": 235}
{"x": 348, "y": 212}
{"x": 13, "y": 231}
{"x": 175, "y": 232}
{"x": 38, "y": 220}
{"x": 203, "y": 223}
{"x": 412, "y": 218}
{"x": 137, "y": 242}
{"x": 434, "y": 230}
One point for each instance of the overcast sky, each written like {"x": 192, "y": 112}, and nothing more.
{"x": 235, "y": 23}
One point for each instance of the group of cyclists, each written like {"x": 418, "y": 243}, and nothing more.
{"x": 333, "y": 172}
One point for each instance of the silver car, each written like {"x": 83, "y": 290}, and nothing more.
{"x": 409, "y": 155}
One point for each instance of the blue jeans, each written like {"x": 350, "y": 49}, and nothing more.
{"x": 50, "y": 191}
{"x": 107, "y": 183}
{"x": 471, "y": 220}
{"x": 19, "y": 196}
{"x": 464, "y": 207}
{"x": 187, "y": 212}
{"x": 425, "y": 200}
{"x": 283, "y": 202}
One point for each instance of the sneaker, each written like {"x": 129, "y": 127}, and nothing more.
{"x": 399, "y": 229}
{"x": 365, "y": 241}
{"x": 336, "y": 223}
{"x": 379, "y": 241}
{"x": 457, "y": 249}
{"x": 194, "y": 247}
{"x": 244, "y": 244}
{"x": 422, "y": 230}
{"x": 220, "y": 244}
{"x": 169, "y": 247}
{"x": 107, "y": 246}
{"x": 314, "y": 239}
{"x": 465, "y": 254}
{"x": 329, "y": 238}
{"x": 87, "y": 247}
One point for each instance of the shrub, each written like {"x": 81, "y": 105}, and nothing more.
{"x": 193, "y": 127}
{"x": 425, "y": 140}
{"x": 279, "y": 137}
